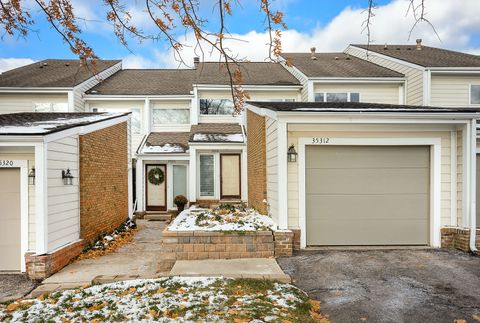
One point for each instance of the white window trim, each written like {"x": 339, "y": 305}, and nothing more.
{"x": 347, "y": 92}
{"x": 470, "y": 94}
{"x": 215, "y": 176}
{"x": 435, "y": 176}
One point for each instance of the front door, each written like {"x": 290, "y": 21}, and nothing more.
{"x": 156, "y": 187}
{"x": 230, "y": 186}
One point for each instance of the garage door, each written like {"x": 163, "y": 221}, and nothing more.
{"x": 10, "y": 252}
{"x": 367, "y": 195}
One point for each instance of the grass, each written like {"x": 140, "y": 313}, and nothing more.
{"x": 172, "y": 299}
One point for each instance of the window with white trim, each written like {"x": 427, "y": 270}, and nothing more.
{"x": 337, "y": 97}
{"x": 216, "y": 107}
{"x": 169, "y": 116}
{"x": 474, "y": 94}
{"x": 51, "y": 107}
{"x": 207, "y": 175}
{"x": 135, "y": 121}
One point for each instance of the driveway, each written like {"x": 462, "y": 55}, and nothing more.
{"x": 13, "y": 286}
{"x": 390, "y": 285}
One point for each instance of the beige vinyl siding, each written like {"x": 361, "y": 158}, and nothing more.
{"x": 79, "y": 90}
{"x": 63, "y": 200}
{"x": 303, "y": 80}
{"x": 272, "y": 166}
{"x": 414, "y": 85}
{"x": 371, "y": 93}
{"x": 124, "y": 106}
{"x": 298, "y": 131}
{"x": 25, "y": 153}
{"x": 23, "y": 102}
{"x": 452, "y": 90}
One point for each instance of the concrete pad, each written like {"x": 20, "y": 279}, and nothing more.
{"x": 44, "y": 289}
{"x": 255, "y": 268}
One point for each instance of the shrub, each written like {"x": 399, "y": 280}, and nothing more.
{"x": 180, "y": 200}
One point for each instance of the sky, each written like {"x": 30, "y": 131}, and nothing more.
{"x": 325, "y": 24}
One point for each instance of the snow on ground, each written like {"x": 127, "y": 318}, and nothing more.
{"x": 179, "y": 299}
{"x": 197, "y": 219}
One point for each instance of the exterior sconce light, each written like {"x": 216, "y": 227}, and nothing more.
{"x": 31, "y": 176}
{"x": 67, "y": 177}
{"x": 292, "y": 154}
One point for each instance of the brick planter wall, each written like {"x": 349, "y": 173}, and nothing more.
{"x": 103, "y": 181}
{"x": 458, "y": 238}
{"x": 190, "y": 245}
{"x": 43, "y": 266}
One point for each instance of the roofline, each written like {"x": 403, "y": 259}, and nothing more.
{"x": 397, "y": 60}
{"x": 132, "y": 97}
{"x": 35, "y": 89}
{"x": 359, "y": 79}
{"x": 248, "y": 86}
{"x": 93, "y": 77}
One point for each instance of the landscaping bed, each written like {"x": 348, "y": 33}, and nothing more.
{"x": 174, "y": 299}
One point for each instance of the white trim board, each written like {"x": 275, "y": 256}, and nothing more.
{"x": 435, "y": 176}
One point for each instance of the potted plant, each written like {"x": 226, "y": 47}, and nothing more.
{"x": 180, "y": 201}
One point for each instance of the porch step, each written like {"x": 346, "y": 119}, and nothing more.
{"x": 158, "y": 217}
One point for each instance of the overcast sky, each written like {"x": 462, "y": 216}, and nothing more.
{"x": 328, "y": 25}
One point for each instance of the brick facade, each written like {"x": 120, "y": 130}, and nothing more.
{"x": 103, "y": 181}
{"x": 458, "y": 238}
{"x": 257, "y": 162}
{"x": 283, "y": 243}
{"x": 43, "y": 266}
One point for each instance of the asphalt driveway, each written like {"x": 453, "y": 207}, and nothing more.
{"x": 390, "y": 285}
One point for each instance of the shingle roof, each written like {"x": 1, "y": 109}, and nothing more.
{"x": 427, "y": 56}
{"x": 337, "y": 65}
{"x": 166, "y": 142}
{"x": 355, "y": 107}
{"x": 53, "y": 73}
{"x": 216, "y": 132}
{"x": 253, "y": 73}
{"x": 37, "y": 123}
{"x": 147, "y": 82}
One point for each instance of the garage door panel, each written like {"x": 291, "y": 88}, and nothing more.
{"x": 360, "y": 206}
{"x": 367, "y": 156}
{"x": 358, "y": 232}
{"x": 368, "y": 181}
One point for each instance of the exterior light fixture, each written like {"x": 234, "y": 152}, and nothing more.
{"x": 292, "y": 154}
{"x": 67, "y": 177}
{"x": 31, "y": 176}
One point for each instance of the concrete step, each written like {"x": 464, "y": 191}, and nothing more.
{"x": 158, "y": 217}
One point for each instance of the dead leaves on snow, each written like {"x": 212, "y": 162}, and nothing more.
{"x": 122, "y": 239}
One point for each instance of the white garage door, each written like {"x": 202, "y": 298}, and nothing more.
{"x": 10, "y": 250}
{"x": 367, "y": 195}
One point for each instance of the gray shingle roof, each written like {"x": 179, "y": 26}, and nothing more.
{"x": 355, "y": 107}
{"x": 427, "y": 56}
{"x": 337, "y": 65}
{"x": 216, "y": 132}
{"x": 38, "y": 123}
{"x": 53, "y": 73}
{"x": 162, "y": 142}
{"x": 147, "y": 82}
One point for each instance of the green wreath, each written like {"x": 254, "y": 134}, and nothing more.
{"x": 156, "y": 176}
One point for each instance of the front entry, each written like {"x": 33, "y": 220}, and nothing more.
{"x": 156, "y": 187}
{"x": 230, "y": 184}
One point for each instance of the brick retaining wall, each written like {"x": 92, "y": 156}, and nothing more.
{"x": 458, "y": 238}
{"x": 190, "y": 245}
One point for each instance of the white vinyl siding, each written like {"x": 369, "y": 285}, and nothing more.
{"x": 303, "y": 81}
{"x": 272, "y": 166}
{"x": 371, "y": 93}
{"x": 63, "y": 200}
{"x": 25, "y": 153}
{"x": 452, "y": 90}
{"x": 22, "y": 102}
{"x": 414, "y": 85}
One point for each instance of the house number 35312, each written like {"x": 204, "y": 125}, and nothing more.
{"x": 320, "y": 140}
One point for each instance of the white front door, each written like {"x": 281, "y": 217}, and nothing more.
{"x": 156, "y": 187}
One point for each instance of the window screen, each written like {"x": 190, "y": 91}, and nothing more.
{"x": 207, "y": 174}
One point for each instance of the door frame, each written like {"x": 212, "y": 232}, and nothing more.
{"x": 23, "y": 166}
{"x": 239, "y": 176}
{"x": 155, "y": 208}
{"x": 435, "y": 174}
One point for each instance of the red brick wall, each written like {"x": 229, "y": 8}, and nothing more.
{"x": 257, "y": 161}
{"x": 103, "y": 181}
{"x": 458, "y": 238}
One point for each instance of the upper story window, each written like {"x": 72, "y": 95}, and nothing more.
{"x": 475, "y": 94}
{"x": 170, "y": 116}
{"x": 216, "y": 107}
{"x": 337, "y": 97}
{"x": 280, "y": 100}
{"x": 51, "y": 107}
{"x": 135, "y": 120}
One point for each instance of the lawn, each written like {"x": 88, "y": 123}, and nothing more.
{"x": 172, "y": 299}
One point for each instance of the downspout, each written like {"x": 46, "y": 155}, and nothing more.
{"x": 473, "y": 176}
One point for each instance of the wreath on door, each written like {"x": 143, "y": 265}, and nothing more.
{"x": 156, "y": 176}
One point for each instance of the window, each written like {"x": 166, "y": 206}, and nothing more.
{"x": 475, "y": 94}
{"x": 51, "y": 107}
{"x": 170, "y": 116}
{"x": 179, "y": 180}
{"x": 135, "y": 121}
{"x": 207, "y": 175}
{"x": 337, "y": 97}
{"x": 216, "y": 107}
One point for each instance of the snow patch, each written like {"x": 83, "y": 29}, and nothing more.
{"x": 167, "y": 148}
{"x": 215, "y": 137}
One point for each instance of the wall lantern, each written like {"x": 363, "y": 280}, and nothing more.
{"x": 292, "y": 154}
{"x": 67, "y": 177}
{"x": 31, "y": 176}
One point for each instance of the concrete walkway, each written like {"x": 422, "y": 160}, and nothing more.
{"x": 143, "y": 258}
{"x": 256, "y": 268}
